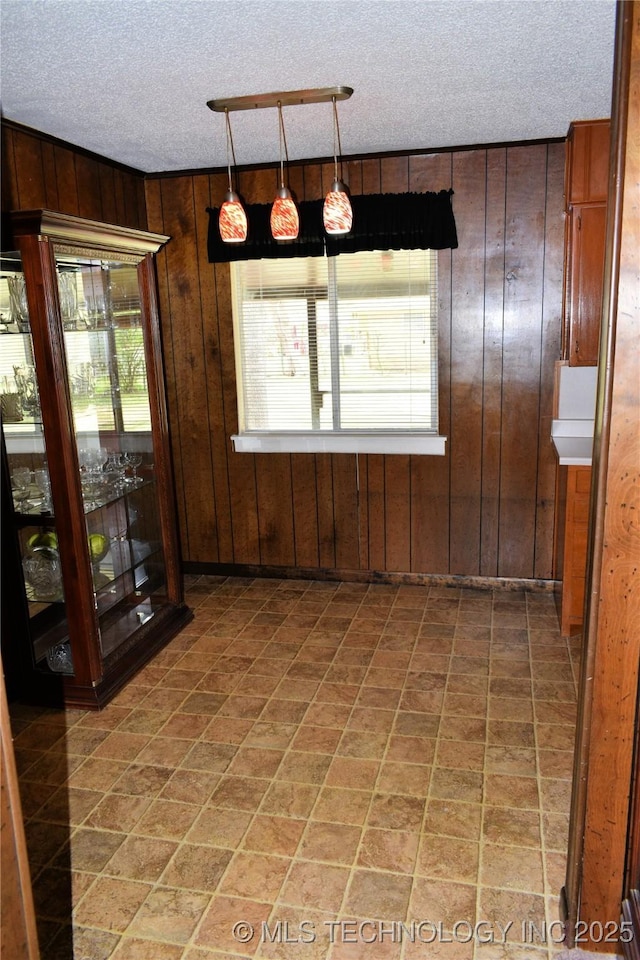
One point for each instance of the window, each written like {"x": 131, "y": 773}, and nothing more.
{"x": 338, "y": 353}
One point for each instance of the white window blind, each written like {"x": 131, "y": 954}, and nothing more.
{"x": 337, "y": 353}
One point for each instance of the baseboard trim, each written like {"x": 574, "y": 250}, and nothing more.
{"x": 506, "y": 584}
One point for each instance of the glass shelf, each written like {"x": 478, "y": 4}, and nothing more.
{"x": 121, "y": 559}
{"x": 53, "y": 629}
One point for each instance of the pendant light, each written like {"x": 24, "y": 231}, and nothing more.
{"x": 285, "y": 222}
{"x": 232, "y": 221}
{"x": 337, "y": 215}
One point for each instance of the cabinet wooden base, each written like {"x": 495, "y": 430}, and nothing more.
{"x": 65, "y": 691}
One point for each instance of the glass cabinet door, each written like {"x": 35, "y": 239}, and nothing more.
{"x": 29, "y": 474}
{"x": 104, "y": 345}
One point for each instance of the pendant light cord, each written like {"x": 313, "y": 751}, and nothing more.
{"x": 230, "y": 148}
{"x": 336, "y": 139}
{"x": 283, "y": 140}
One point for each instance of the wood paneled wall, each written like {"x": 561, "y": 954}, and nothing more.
{"x": 38, "y": 172}
{"x": 486, "y": 508}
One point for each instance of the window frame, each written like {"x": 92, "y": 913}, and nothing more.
{"x": 378, "y": 440}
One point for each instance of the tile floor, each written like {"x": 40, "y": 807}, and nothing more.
{"x": 323, "y": 761}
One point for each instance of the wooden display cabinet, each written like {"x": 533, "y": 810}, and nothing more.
{"x": 86, "y": 458}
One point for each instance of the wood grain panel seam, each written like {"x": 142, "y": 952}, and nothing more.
{"x": 504, "y": 281}
{"x": 177, "y": 444}
{"x": 293, "y": 512}
{"x": 224, "y": 413}
{"x": 410, "y": 505}
{"x": 449, "y": 460}
{"x": 14, "y": 168}
{"x": 332, "y": 460}
{"x": 56, "y": 155}
{"x": 540, "y": 365}
{"x": 547, "y": 391}
{"x": 484, "y": 357}
{"x": 42, "y": 164}
{"x": 450, "y": 392}
{"x": 384, "y": 501}
{"x": 495, "y": 185}
{"x": 203, "y": 320}
{"x": 204, "y": 347}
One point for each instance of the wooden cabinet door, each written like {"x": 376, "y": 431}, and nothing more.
{"x": 586, "y": 272}
{"x": 588, "y": 146}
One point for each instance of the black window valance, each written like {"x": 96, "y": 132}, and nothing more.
{"x": 384, "y": 221}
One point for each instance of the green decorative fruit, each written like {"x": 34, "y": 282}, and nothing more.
{"x": 98, "y": 546}
{"x": 37, "y": 540}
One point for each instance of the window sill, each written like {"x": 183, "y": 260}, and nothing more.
{"x": 346, "y": 442}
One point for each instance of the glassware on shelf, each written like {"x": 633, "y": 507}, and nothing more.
{"x": 43, "y": 573}
{"x": 93, "y": 459}
{"x": 133, "y": 460}
{"x": 92, "y": 489}
{"x": 92, "y": 476}
{"x": 42, "y": 484}
{"x": 10, "y": 401}
{"x": 115, "y": 468}
{"x": 11, "y": 408}
{"x": 59, "y": 658}
{"x": 27, "y": 387}
{"x": 21, "y": 486}
{"x": 68, "y": 293}
{"x": 18, "y": 306}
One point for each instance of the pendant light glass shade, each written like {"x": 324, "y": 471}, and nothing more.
{"x": 232, "y": 221}
{"x": 337, "y": 214}
{"x": 285, "y": 221}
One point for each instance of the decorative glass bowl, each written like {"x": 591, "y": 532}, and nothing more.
{"x": 43, "y": 574}
{"x": 59, "y": 658}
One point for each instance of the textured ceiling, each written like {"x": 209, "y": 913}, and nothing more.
{"x": 130, "y": 79}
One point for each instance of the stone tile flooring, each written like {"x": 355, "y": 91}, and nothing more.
{"x": 313, "y": 770}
